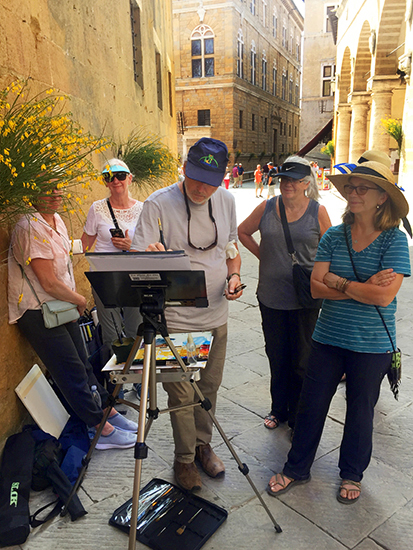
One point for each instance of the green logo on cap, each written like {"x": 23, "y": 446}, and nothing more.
{"x": 209, "y": 160}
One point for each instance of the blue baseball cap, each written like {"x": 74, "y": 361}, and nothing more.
{"x": 207, "y": 161}
{"x": 115, "y": 168}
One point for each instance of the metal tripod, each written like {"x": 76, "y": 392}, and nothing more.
{"x": 153, "y": 323}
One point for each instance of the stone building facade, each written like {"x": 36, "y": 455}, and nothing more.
{"x": 115, "y": 61}
{"x": 374, "y": 42}
{"x": 238, "y": 72}
{"x": 319, "y": 62}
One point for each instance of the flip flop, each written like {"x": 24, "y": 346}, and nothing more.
{"x": 286, "y": 488}
{"x": 273, "y": 419}
{"x": 348, "y": 485}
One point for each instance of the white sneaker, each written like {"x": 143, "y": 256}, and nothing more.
{"x": 122, "y": 423}
{"x": 118, "y": 439}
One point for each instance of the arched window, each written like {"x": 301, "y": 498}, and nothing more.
{"x": 274, "y": 78}
{"x": 202, "y": 51}
{"x": 240, "y": 54}
{"x": 253, "y": 63}
{"x": 264, "y": 70}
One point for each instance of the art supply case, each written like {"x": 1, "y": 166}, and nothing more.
{"x": 170, "y": 518}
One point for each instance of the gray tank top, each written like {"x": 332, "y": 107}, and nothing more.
{"x": 275, "y": 284}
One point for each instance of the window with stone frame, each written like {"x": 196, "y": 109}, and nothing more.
{"x": 253, "y": 63}
{"x": 274, "y": 23}
{"x": 204, "y": 117}
{"x": 284, "y": 85}
{"x": 252, "y": 7}
{"x": 264, "y": 71}
{"x": 290, "y": 90}
{"x": 297, "y": 93}
{"x": 159, "y": 72}
{"x": 328, "y": 10}
{"x": 241, "y": 119}
{"x": 274, "y": 78}
{"x": 135, "y": 17}
{"x": 284, "y": 36}
{"x": 328, "y": 72}
{"x": 240, "y": 54}
{"x": 202, "y": 52}
{"x": 264, "y": 12}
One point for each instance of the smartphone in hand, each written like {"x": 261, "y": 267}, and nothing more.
{"x": 117, "y": 232}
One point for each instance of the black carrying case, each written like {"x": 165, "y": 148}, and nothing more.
{"x": 170, "y": 518}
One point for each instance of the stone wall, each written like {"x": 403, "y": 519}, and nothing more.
{"x": 84, "y": 49}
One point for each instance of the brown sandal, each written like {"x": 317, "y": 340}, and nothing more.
{"x": 348, "y": 485}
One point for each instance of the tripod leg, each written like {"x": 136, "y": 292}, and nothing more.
{"x": 86, "y": 460}
{"x": 205, "y": 403}
{"x": 141, "y": 450}
{"x": 153, "y": 411}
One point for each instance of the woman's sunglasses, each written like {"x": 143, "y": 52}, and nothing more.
{"x": 360, "y": 189}
{"x": 120, "y": 176}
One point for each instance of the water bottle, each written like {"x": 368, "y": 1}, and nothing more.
{"x": 191, "y": 349}
{"x": 96, "y": 396}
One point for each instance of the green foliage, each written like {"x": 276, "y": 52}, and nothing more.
{"x": 328, "y": 149}
{"x": 41, "y": 148}
{"x": 393, "y": 127}
{"x": 152, "y": 163}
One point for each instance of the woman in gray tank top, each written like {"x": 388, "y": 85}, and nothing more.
{"x": 287, "y": 326}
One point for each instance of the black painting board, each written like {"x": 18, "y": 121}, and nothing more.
{"x": 126, "y": 288}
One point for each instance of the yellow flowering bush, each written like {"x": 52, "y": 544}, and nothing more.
{"x": 393, "y": 127}
{"x": 152, "y": 163}
{"x": 328, "y": 149}
{"x": 41, "y": 148}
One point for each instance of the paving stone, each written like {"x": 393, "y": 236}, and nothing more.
{"x": 368, "y": 544}
{"x": 249, "y": 527}
{"x": 389, "y": 441}
{"x": 233, "y": 488}
{"x": 397, "y": 532}
{"x": 236, "y": 375}
{"x": 384, "y": 491}
{"x": 253, "y": 397}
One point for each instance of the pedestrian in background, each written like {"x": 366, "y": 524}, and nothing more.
{"x": 235, "y": 175}
{"x": 258, "y": 181}
{"x": 240, "y": 174}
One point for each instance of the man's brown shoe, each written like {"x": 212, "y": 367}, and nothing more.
{"x": 211, "y": 464}
{"x": 187, "y": 476}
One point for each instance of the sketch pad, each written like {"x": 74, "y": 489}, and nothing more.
{"x": 42, "y": 403}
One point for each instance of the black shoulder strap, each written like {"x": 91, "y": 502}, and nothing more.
{"x": 53, "y": 513}
{"x": 284, "y": 222}
{"x": 358, "y": 278}
{"x": 112, "y": 214}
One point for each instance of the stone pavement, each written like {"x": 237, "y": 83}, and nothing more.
{"x": 309, "y": 515}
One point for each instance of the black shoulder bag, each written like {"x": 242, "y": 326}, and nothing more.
{"x": 394, "y": 374}
{"x": 301, "y": 275}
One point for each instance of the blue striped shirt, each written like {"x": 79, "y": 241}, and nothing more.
{"x": 350, "y": 324}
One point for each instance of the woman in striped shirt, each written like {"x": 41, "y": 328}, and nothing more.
{"x": 349, "y": 337}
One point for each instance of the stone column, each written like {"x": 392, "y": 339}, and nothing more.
{"x": 358, "y": 129}
{"x": 381, "y": 95}
{"x": 343, "y": 133}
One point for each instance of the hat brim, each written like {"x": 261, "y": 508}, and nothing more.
{"x": 395, "y": 194}
{"x": 292, "y": 174}
{"x": 210, "y": 177}
{"x": 115, "y": 168}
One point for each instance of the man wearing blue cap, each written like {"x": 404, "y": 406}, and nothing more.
{"x": 198, "y": 216}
